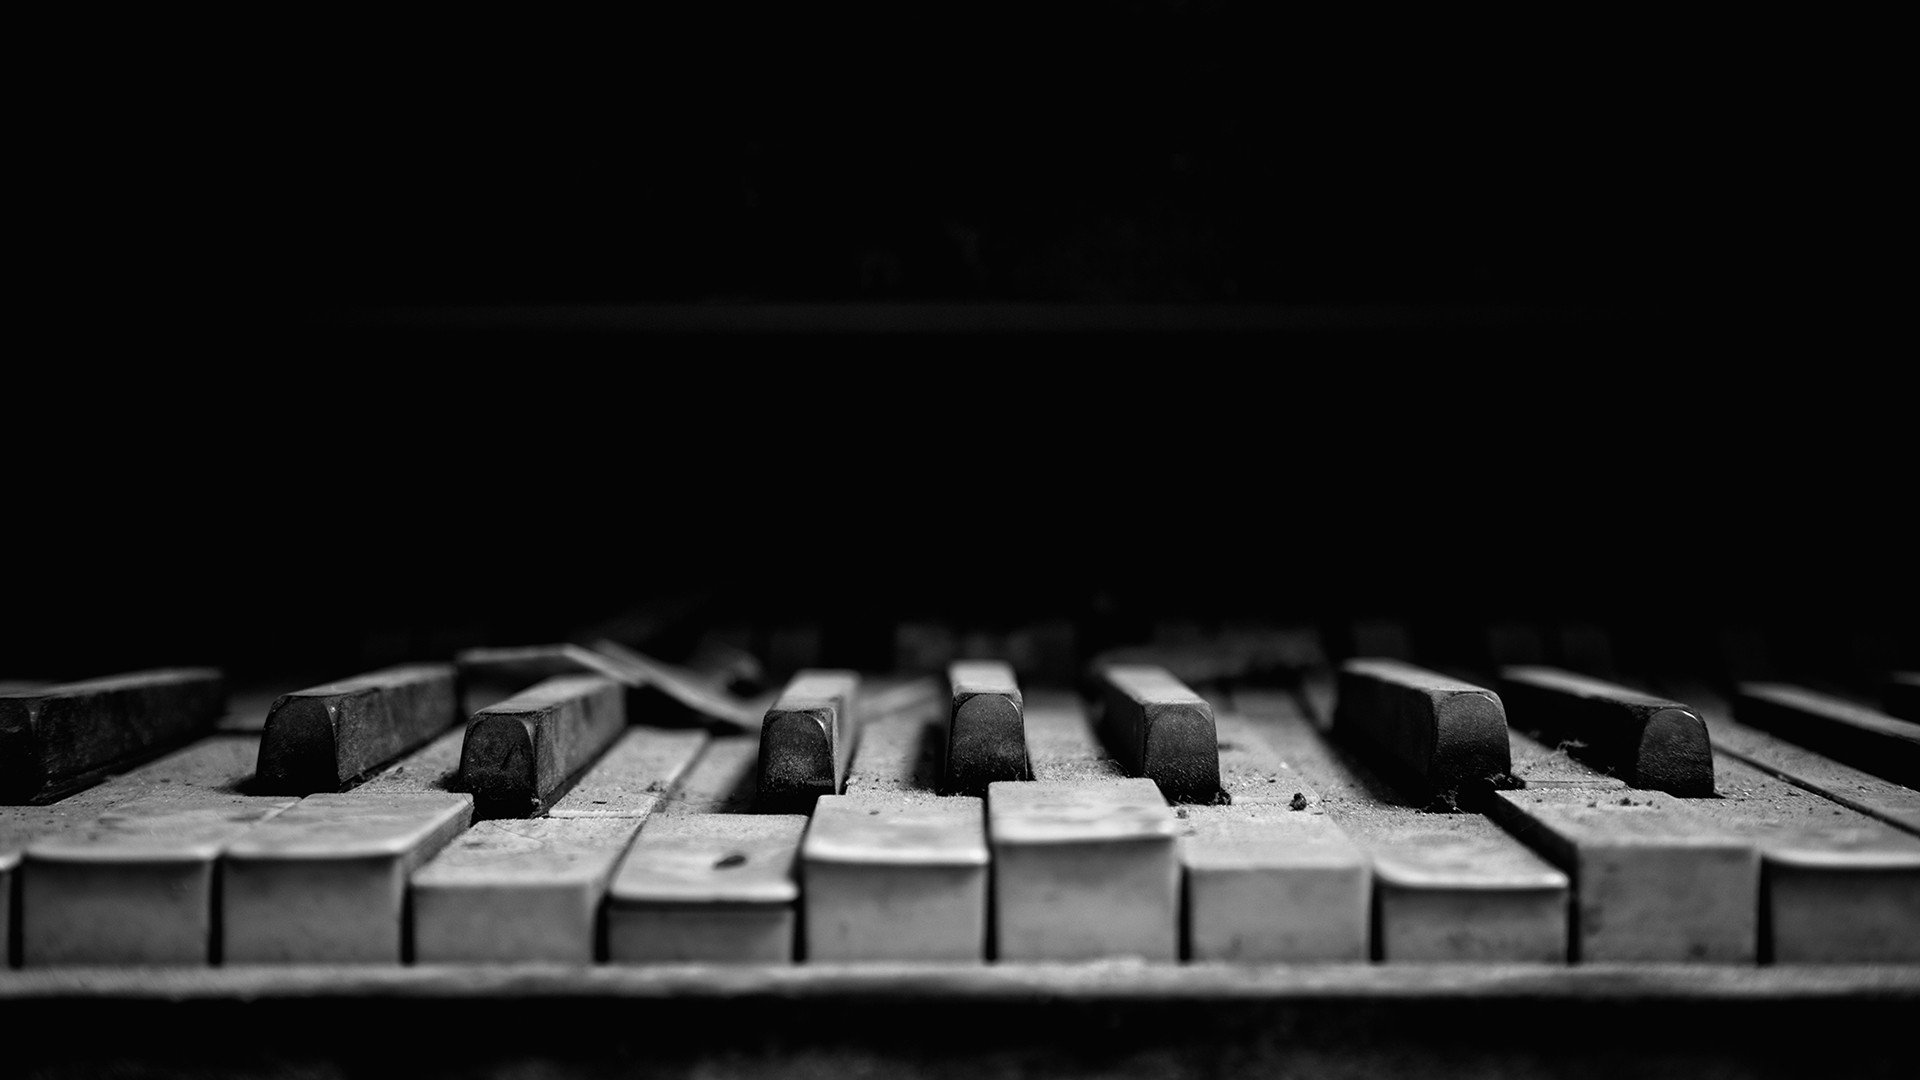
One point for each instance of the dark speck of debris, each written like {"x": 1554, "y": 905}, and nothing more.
{"x": 1593, "y": 806}
{"x": 1181, "y": 812}
{"x": 873, "y": 813}
{"x": 1625, "y": 801}
{"x": 1299, "y": 801}
{"x": 728, "y": 862}
{"x": 599, "y": 802}
{"x": 1224, "y": 745}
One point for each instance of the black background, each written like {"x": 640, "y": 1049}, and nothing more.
{"x": 441, "y": 335}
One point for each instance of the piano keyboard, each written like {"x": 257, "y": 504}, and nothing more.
{"x": 925, "y": 852}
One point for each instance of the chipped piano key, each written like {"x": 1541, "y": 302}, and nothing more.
{"x": 520, "y": 754}
{"x": 707, "y": 888}
{"x": 807, "y": 740}
{"x": 325, "y": 881}
{"x": 518, "y": 890}
{"x": 1269, "y": 877}
{"x": 325, "y": 737}
{"x": 55, "y": 739}
{"x": 1648, "y": 741}
{"x": 136, "y": 884}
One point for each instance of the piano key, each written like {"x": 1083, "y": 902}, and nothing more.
{"x": 1538, "y": 766}
{"x": 806, "y": 740}
{"x": 890, "y": 875}
{"x": 986, "y": 731}
{"x": 1270, "y": 877}
{"x": 1083, "y": 871}
{"x": 654, "y": 688}
{"x": 1892, "y": 803}
{"x": 1882, "y": 745}
{"x": 1447, "y": 886}
{"x": 1836, "y": 885}
{"x": 55, "y": 738}
{"x": 1650, "y": 742}
{"x": 325, "y": 737}
{"x": 721, "y": 780}
{"x": 511, "y": 890}
{"x": 630, "y": 779}
{"x": 1841, "y": 887}
{"x": 325, "y": 882}
{"x": 1901, "y": 695}
{"x": 891, "y": 870}
{"x": 219, "y": 763}
{"x": 1656, "y": 880}
{"x": 1161, "y": 730}
{"x": 707, "y": 888}
{"x": 520, "y": 754}
{"x": 136, "y": 884}
{"x": 1440, "y": 737}
{"x": 20, "y": 826}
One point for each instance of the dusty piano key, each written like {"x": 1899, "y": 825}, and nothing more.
{"x": 890, "y": 870}
{"x": 1270, "y": 877}
{"x": 325, "y": 882}
{"x": 1447, "y": 886}
{"x": 135, "y": 885}
{"x": 326, "y": 737}
{"x": 807, "y": 739}
{"x": 1655, "y": 879}
{"x": 1882, "y": 745}
{"x": 1541, "y": 767}
{"x": 1648, "y": 741}
{"x": 1840, "y": 887}
{"x": 20, "y": 826}
{"x": 1864, "y": 792}
{"x": 521, "y": 753}
{"x": 1901, "y": 695}
{"x": 513, "y": 890}
{"x": 1161, "y": 730}
{"x": 1444, "y": 738}
{"x": 55, "y": 738}
{"x": 631, "y": 778}
{"x": 986, "y": 727}
{"x": 434, "y": 767}
{"x": 721, "y": 780}
{"x": 707, "y": 888}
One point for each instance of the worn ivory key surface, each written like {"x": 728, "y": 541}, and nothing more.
{"x": 891, "y": 870}
{"x": 1270, "y": 877}
{"x": 135, "y": 885}
{"x": 709, "y": 888}
{"x": 630, "y": 779}
{"x": 518, "y": 890}
{"x": 326, "y": 883}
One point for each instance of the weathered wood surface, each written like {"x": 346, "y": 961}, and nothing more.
{"x": 325, "y": 882}
{"x": 55, "y": 739}
{"x": 1648, "y": 741}
{"x": 520, "y": 754}
{"x": 807, "y": 739}
{"x": 518, "y": 891}
{"x": 986, "y": 727}
{"x": 1442, "y": 738}
{"x": 1159, "y": 728}
{"x": 1864, "y": 738}
{"x": 325, "y": 737}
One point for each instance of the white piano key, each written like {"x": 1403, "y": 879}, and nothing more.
{"x": 512, "y": 890}
{"x": 631, "y": 778}
{"x": 889, "y": 876}
{"x": 708, "y": 888}
{"x": 136, "y": 884}
{"x": 325, "y": 882}
{"x": 1083, "y": 870}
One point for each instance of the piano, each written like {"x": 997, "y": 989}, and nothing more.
{"x": 1169, "y": 389}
